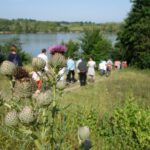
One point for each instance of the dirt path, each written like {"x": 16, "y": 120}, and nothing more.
{"x": 74, "y": 86}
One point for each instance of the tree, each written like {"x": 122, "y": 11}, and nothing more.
{"x": 134, "y": 37}
{"x": 18, "y": 28}
{"x": 95, "y": 45}
{"x": 73, "y": 48}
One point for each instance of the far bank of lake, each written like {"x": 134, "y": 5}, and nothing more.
{"x": 33, "y": 43}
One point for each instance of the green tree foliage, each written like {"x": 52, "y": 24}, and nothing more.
{"x": 5, "y": 50}
{"x": 73, "y": 49}
{"x": 134, "y": 38}
{"x": 95, "y": 45}
{"x": 34, "y": 26}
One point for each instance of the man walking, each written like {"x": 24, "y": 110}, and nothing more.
{"x": 82, "y": 72}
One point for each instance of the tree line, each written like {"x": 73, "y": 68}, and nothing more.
{"x": 34, "y": 26}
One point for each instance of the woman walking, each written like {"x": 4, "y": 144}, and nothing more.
{"x": 91, "y": 69}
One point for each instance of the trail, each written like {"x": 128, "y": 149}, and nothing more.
{"x": 76, "y": 85}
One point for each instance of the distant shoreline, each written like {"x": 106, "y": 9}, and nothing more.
{"x": 7, "y": 33}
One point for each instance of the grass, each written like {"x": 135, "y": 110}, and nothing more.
{"x": 103, "y": 96}
{"x": 108, "y": 93}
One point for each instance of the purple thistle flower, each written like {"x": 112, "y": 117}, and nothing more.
{"x": 57, "y": 49}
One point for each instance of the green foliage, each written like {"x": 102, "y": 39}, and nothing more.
{"x": 73, "y": 49}
{"x": 87, "y": 107}
{"x": 95, "y": 45}
{"x": 5, "y": 50}
{"x": 34, "y": 26}
{"x": 128, "y": 128}
{"x": 116, "y": 54}
{"x": 134, "y": 37}
{"x": 101, "y": 50}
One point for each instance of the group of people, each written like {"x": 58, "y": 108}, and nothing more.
{"x": 105, "y": 67}
{"x": 86, "y": 70}
{"x": 82, "y": 68}
{"x": 15, "y": 58}
{"x": 68, "y": 73}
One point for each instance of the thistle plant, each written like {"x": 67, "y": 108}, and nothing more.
{"x": 28, "y": 113}
{"x": 37, "y": 116}
{"x": 61, "y": 49}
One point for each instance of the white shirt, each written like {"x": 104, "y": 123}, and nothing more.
{"x": 36, "y": 75}
{"x": 91, "y": 65}
{"x": 77, "y": 64}
{"x": 102, "y": 65}
{"x": 45, "y": 58}
{"x": 62, "y": 73}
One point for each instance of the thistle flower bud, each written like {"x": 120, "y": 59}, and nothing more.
{"x": 7, "y": 68}
{"x": 26, "y": 115}
{"x": 57, "y": 60}
{"x": 83, "y": 133}
{"x": 60, "y": 85}
{"x": 20, "y": 73}
{"x": 24, "y": 88}
{"x": 43, "y": 98}
{"x": 11, "y": 118}
{"x": 38, "y": 64}
{"x": 57, "y": 49}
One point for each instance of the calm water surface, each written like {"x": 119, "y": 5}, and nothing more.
{"x": 33, "y": 43}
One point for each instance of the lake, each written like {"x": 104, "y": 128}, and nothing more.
{"x": 33, "y": 43}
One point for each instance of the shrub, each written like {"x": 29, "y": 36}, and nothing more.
{"x": 128, "y": 128}
{"x": 5, "y": 50}
{"x": 95, "y": 45}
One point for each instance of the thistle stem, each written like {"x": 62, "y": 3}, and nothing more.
{"x": 53, "y": 115}
{"x": 7, "y": 105}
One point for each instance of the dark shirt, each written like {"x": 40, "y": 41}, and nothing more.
{"x": 82, "y": 66}
{"x": 15, "y": 59}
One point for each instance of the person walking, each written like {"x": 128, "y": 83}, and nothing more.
{"x": 78, "y": 71}
{"x": 82, "y": 67}
{"x": 36, "y": 77}
{"x": 14, "y": 57}
{"x": 61, "y": 74}
{"x": 44, "y": 57}
{"x": 71, "y": 70}
{"x": 109, "y": 67}
{"x": 103, "y": 67}
{"x": 91, "y": 69}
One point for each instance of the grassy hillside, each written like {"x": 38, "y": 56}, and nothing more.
{"x": 89, "y": 105}
{"x": 107, "y": 93}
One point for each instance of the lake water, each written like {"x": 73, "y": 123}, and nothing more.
{"x": 33, "y": 43}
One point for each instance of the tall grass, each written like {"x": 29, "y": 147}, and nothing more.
{"x": 88, "y": 105}
{"x": 108, "y": 93}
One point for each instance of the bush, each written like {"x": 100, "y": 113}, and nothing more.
{"x": 128, "y": 128}
{"x": 73, "y": 49}
{"x": 95, "y": 45}
{"x": 5, "y": 50}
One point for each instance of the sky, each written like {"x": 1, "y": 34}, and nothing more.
{"x": 98, "y": 11}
